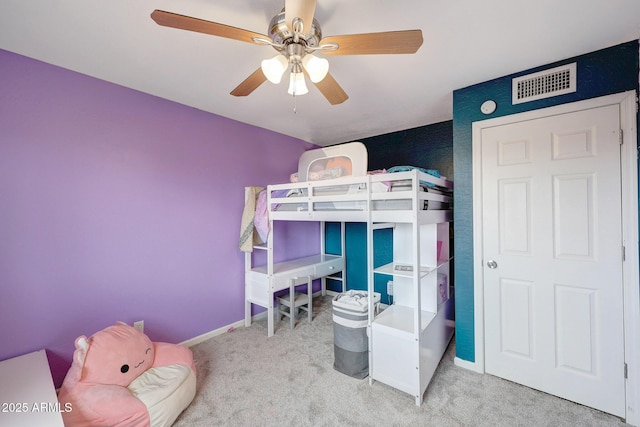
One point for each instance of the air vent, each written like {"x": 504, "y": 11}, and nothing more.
{"x": 544, "y": 84}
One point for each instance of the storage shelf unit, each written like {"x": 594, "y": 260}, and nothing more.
{"x": 408, "y": 339}
{"x": 396, "y": 269}
{"x": 398, "y": 320}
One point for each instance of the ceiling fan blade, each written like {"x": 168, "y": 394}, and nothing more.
{"x": 303, "y": 9}
{"x": 408, "y": 41}
{"x": 332, "y": 90}
{"x": 250, "y": 84}
{"x": 168, "y": 19}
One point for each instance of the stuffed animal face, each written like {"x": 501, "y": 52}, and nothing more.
{"x": 116, "y": 355}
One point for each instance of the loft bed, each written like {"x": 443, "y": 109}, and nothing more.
{"x": 389, "y": 197}
{"x": 333, "y": 185}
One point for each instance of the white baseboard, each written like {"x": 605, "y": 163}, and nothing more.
{"x": 239, "y": 324}
{"x": 208, "y": 335}
{"x": 222, "y": 330}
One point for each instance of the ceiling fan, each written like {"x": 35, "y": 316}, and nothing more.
{"x": 296, "y": 36}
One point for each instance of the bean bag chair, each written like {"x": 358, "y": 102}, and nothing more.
{"x": 118, "y": 377}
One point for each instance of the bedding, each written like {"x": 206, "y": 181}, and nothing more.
{"x": 332, "y": 195}
{"x": 329, "y": 179}
{"x": 350, "y": 160}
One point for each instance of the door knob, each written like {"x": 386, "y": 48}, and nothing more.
{"x": 492, "y": 264}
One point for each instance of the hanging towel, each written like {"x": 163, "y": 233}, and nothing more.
{"x": 247, "y": 236}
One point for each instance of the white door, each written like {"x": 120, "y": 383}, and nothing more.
{"x": 552, "y": 245}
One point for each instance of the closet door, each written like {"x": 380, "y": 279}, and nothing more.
{"x": 553, "y": 256}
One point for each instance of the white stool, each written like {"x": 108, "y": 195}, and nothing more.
{"x": 301, "y": 301}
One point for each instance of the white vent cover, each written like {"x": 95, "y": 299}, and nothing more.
{"x": 544, "y": 84}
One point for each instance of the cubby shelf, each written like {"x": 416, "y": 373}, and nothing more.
{"x": 409, "y": 338}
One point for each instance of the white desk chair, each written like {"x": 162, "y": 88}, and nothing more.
{"x": 301, "y": 301}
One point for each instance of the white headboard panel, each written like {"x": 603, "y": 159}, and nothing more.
{"x": 333, "y": 162}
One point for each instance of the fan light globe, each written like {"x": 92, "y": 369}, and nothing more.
{"x": 274, "y": 68}
{"x": 316, "y": 67}
{"x": 297, "y": 86}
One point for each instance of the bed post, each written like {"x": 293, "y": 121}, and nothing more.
{"x": 247, "y": 267}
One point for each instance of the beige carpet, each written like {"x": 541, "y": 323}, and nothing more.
{"x": 247, "y": 379}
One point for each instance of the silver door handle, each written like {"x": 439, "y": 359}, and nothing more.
{"x": 492, "y": 264}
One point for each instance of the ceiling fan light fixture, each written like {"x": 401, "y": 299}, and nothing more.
{"x": 274, "y": 68}
{"x": 316, "y": 67}
{"x": 295, "y": 34}
{"x": 297, "y": 86}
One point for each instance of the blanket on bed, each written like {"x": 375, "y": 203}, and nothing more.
{"x": 247, "y": 236}
{"x": 432, "y": 172}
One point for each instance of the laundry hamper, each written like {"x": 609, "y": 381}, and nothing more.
{"x": 350, "y": 342}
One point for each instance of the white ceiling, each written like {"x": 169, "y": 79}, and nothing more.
{"x": 465, "y": 42}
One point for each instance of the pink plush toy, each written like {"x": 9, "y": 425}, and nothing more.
{"x": 118, "y": 377}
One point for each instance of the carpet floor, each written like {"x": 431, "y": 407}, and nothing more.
{"x": 247, "y": 379}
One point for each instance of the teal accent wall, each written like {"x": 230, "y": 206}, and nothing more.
{"x": 426, "y": 146}
{"x": 604, "y": 72}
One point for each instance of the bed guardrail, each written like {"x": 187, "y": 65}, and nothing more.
{"x": 399, "y": 192}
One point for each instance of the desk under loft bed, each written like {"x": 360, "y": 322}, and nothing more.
{"x": 407, "y": 339}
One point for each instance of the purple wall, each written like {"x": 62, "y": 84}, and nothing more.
{"x": 116, "y": 205}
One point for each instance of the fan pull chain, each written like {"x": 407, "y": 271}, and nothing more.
{"x": 295, "y": 104}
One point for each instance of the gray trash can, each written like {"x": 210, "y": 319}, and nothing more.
{"x": 350, "y": 342}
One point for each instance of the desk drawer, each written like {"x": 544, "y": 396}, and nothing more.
{"x": 329, "y": 267}
{"x": 298, "y": 275}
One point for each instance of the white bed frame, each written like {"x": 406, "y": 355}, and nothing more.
{"x": 408, "y": 339}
